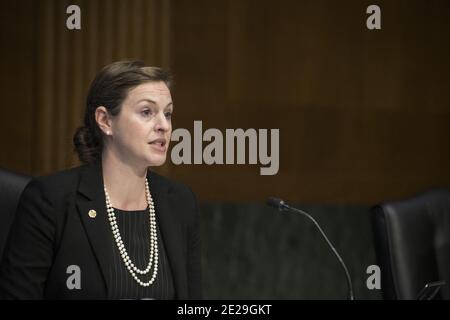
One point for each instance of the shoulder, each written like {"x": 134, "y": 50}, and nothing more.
{"x": 55, "y": 185}
{"x": 55, "y": 179}
{"x": 181, "y": 197}
{"x": 174, "y": 187}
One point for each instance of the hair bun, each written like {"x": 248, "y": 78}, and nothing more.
{"x": 86, "y": 145}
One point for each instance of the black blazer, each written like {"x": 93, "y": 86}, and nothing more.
{"x": 52, "y": 230}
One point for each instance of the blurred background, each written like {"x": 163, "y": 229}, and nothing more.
{"x": 364, "y": 117}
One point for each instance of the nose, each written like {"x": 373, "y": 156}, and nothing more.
{"x": 162, "y": 123}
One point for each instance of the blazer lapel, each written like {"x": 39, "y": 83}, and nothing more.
{"x": 98, "y": 230}
{"x": 171, "y": 232}
{"x": 97, "y": 226}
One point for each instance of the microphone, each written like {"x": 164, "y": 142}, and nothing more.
{"x": 283, "y": 206}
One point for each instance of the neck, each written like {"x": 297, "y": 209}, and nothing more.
{"x": 125, "y": 183}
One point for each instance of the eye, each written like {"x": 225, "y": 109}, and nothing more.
{"x": 146, "y": 112}
{"x": 168, "y": 115}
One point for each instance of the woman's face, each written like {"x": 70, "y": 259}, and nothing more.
{"x": 142, "y": 129}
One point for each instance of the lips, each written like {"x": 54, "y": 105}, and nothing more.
{"x": 159, "y": 144}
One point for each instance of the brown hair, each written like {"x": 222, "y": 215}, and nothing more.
{"x": 109, "y": 89}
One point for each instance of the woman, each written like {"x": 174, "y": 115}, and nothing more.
{"x": 111, "y": 228}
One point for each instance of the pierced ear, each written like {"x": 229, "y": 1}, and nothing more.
{"x": 103, "y": 120}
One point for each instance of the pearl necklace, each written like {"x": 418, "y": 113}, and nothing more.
{"x": 153, "y": 240}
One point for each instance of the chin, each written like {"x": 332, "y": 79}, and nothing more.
{"x": 156, "y": 161}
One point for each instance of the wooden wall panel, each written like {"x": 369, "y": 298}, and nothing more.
{"x": 17, "y": 66}
{"x": 363, "y": 115}
{"x": 57, "y": 66}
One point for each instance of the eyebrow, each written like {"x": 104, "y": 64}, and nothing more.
{"x": 151, "y": 101}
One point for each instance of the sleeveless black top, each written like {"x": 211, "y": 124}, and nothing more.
{"x": 135, "y": 232}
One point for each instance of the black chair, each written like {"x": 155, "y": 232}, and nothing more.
{"x": 11, "y": 187}
{"x": 412, "y": 244}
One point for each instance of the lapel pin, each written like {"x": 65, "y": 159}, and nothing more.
{"x": 92, "y": 213}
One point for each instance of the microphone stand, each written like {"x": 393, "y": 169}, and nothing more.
{"x": 282, "y": 206}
